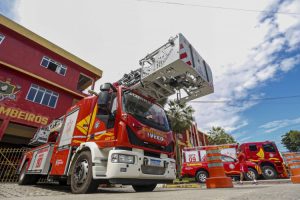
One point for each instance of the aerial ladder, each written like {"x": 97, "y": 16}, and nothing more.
{"x": 175, "y": 68}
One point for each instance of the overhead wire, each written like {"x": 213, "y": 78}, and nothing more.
{"x": 217, "y": 7}
{"x": 247, "y": 100}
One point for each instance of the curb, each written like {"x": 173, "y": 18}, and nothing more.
{"x": 197, "y": 185}
{"x": 266, "y": 182}
{"x": 185, "y": 185}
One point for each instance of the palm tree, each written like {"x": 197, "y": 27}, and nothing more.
{"x": 181, "y": 118}
{"x": 180, "y": 115}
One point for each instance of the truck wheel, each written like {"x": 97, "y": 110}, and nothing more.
{"x": 201, "y": 176}
{"x": 144, "y": 188}
{"x": 82, "y": 176}
{"x": 27, "y": 179}
{"x": 250, "y": 174}
{"x": 269, "y": 172}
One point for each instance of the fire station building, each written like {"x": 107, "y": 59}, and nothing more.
{"x": 192, "y": 137}
{"x": 39, "y": 81}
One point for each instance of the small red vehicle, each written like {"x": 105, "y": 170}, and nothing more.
{"x": 195, "y": 164}
{"x": 267, "y": 156}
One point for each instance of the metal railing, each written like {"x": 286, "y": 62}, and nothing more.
{"x": 9, "y": 161}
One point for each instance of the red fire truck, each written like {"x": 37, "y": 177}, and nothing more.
{"x": 121, "y": 135}
{"x": 267, "y": 156}
{"x": 195, "y": 163}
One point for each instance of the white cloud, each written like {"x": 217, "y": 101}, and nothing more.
{"x": 278, "y": 124}
{"x": 115, "y": 34}
{"x": 289, "y": 63}
{"x": 261, "y": 65}
{"x": 245, "y": 139}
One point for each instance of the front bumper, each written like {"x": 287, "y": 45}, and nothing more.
{"x": 163, "y": 171}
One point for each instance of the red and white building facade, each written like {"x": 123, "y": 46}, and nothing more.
{"x": 193, "y": 137}
{"x": 39, "y": 81}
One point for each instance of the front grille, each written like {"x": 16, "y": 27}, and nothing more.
{"x": 150, "y": 154}
{"x": 136, "y": 141}
{"x": 153, "y": 170}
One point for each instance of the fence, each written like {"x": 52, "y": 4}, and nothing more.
{"x": 9, "y": 161}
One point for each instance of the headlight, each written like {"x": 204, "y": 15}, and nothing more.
{"x": 114, "y": 158}
{"x": 122, "y": 158}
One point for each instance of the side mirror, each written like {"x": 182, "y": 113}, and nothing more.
{"x": 104, "y": 87}
{"x": 107, "y": 87}
{"x": 103, "y": 100}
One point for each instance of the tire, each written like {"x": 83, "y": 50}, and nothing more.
{"x": 201, "y": 176}
{"x": 27, "y": 179}
{"x": 269, "y": 172}
{"x": 249, "y": 175}
{"x": 144, "y": 188}
{"x": 82, "y": 181}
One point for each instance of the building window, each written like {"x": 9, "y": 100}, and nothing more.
{"x": 42, "y": 96}
{"x": 1, "y": 38}
{"x": 53, "y": 66}
{"x": 84, "y": 82}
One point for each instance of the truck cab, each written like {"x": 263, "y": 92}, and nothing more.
{"x": 267, "y": 156}
{"x": 117, "y": 136}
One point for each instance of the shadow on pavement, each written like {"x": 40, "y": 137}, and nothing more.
{"x": 127, "y": 189}
{"x": 54, "y": 187}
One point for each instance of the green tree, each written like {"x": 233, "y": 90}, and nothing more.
{"x": 181, "y": 118}
{"x": 217, "y": 135}
{"x": 180, "y": 115}
{"x": 291, "y": 140}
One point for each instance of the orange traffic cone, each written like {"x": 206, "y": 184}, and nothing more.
{"x": 217, "y": 177}
{"x": 293, "y": 161}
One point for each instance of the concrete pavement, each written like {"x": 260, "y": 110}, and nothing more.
{"x": 243, "y": 192}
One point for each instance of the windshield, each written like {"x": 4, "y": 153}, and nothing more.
{"x": 145, "y": 111}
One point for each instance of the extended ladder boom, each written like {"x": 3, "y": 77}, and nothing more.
{"x": 174, "y": 67}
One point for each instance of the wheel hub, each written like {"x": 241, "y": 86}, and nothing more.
{"x": 202, "y": 177}
{"x": 269, "y": 172}
{"x": 81, "y": 171}
{"x": 251, "y": 174}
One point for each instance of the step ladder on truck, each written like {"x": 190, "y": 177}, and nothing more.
{"x": 121, "y": 135}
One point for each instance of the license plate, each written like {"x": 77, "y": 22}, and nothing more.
{"x": 154, "y": 162}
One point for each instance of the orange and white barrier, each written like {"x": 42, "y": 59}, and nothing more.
{"x": 217, "y": 177}
{"x": 293, "y": 162}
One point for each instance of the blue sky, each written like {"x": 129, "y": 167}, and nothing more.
{"x": 286, "y": 112}
{"x": 270, "y": 119}
{"x": 6, "y": 8}
{"x": 252, "y": 54}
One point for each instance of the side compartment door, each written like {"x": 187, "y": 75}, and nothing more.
{"x": 63, "y": 149}
{"x": 40, "y": 162}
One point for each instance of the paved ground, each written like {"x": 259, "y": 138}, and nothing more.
{"x": 244, "y": 192}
